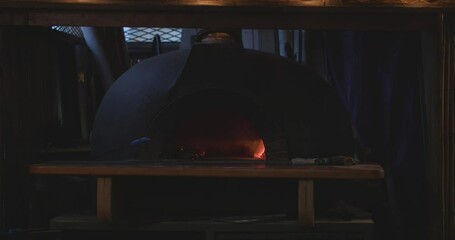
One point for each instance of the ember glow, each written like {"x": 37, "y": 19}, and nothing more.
{"x": 260, "y": 150}
{"x": 216, "y": 135}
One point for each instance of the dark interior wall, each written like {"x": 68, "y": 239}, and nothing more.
{"x": 27, "y": 60}
{"x": 378, "y": 77}
{"x": 32, "y": 59}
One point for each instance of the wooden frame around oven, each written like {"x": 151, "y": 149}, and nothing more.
{"x": 432, "y": 18}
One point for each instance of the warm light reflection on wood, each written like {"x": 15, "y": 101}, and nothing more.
{"x": 152, "y": 168}
{"x": 253, "y": 2}
{"x": 235, "y": 3}
{"x": 385, "y": 2}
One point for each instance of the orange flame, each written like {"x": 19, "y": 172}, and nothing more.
{"x": 216, "y": 134}
{"x": 260, "y": 150}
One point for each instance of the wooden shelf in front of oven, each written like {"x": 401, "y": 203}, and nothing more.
{"x": 206, "y": 169}
{"x": 305, "y": 175}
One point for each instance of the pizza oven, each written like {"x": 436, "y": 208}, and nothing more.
{"x": 220, "y": 102}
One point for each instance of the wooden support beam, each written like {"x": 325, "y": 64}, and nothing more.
{"x": 308, "y": 19}
{"x": 306, "y": 203}
{"x": 104, "y": 199}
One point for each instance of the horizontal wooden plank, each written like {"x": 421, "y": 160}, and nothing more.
{"x": 309, "y": 14}
{"x": 108, "y": 4}
{"x": 13, "y": 17}
{"x": 291, "y": 14}
{"x": 323, "y": 20}
{"x": 91, "y": 223}
{"x": 243, "y": 170}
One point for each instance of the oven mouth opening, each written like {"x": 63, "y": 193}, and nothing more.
{"x": 215, "y": 135}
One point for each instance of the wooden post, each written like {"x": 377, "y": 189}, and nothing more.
{"x": 306, "y": 203}
{"x": 104, "y": 199}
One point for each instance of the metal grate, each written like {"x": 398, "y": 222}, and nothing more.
{"x": 143, "y": 34}
{"x": 75, "y": 31}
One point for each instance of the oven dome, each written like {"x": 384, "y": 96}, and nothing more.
{"x": 295, "y": 111}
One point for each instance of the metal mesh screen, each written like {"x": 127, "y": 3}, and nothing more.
{"x": 75, "y": 31}
{"x": 143, "y": 34}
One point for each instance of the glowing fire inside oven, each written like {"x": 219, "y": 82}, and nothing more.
{"x": 215, "y": 135}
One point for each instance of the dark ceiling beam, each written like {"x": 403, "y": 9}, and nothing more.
{"x": 304, "y": 14}
{"x": 239, "y": 19}
{"x": 208, "y": 17}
